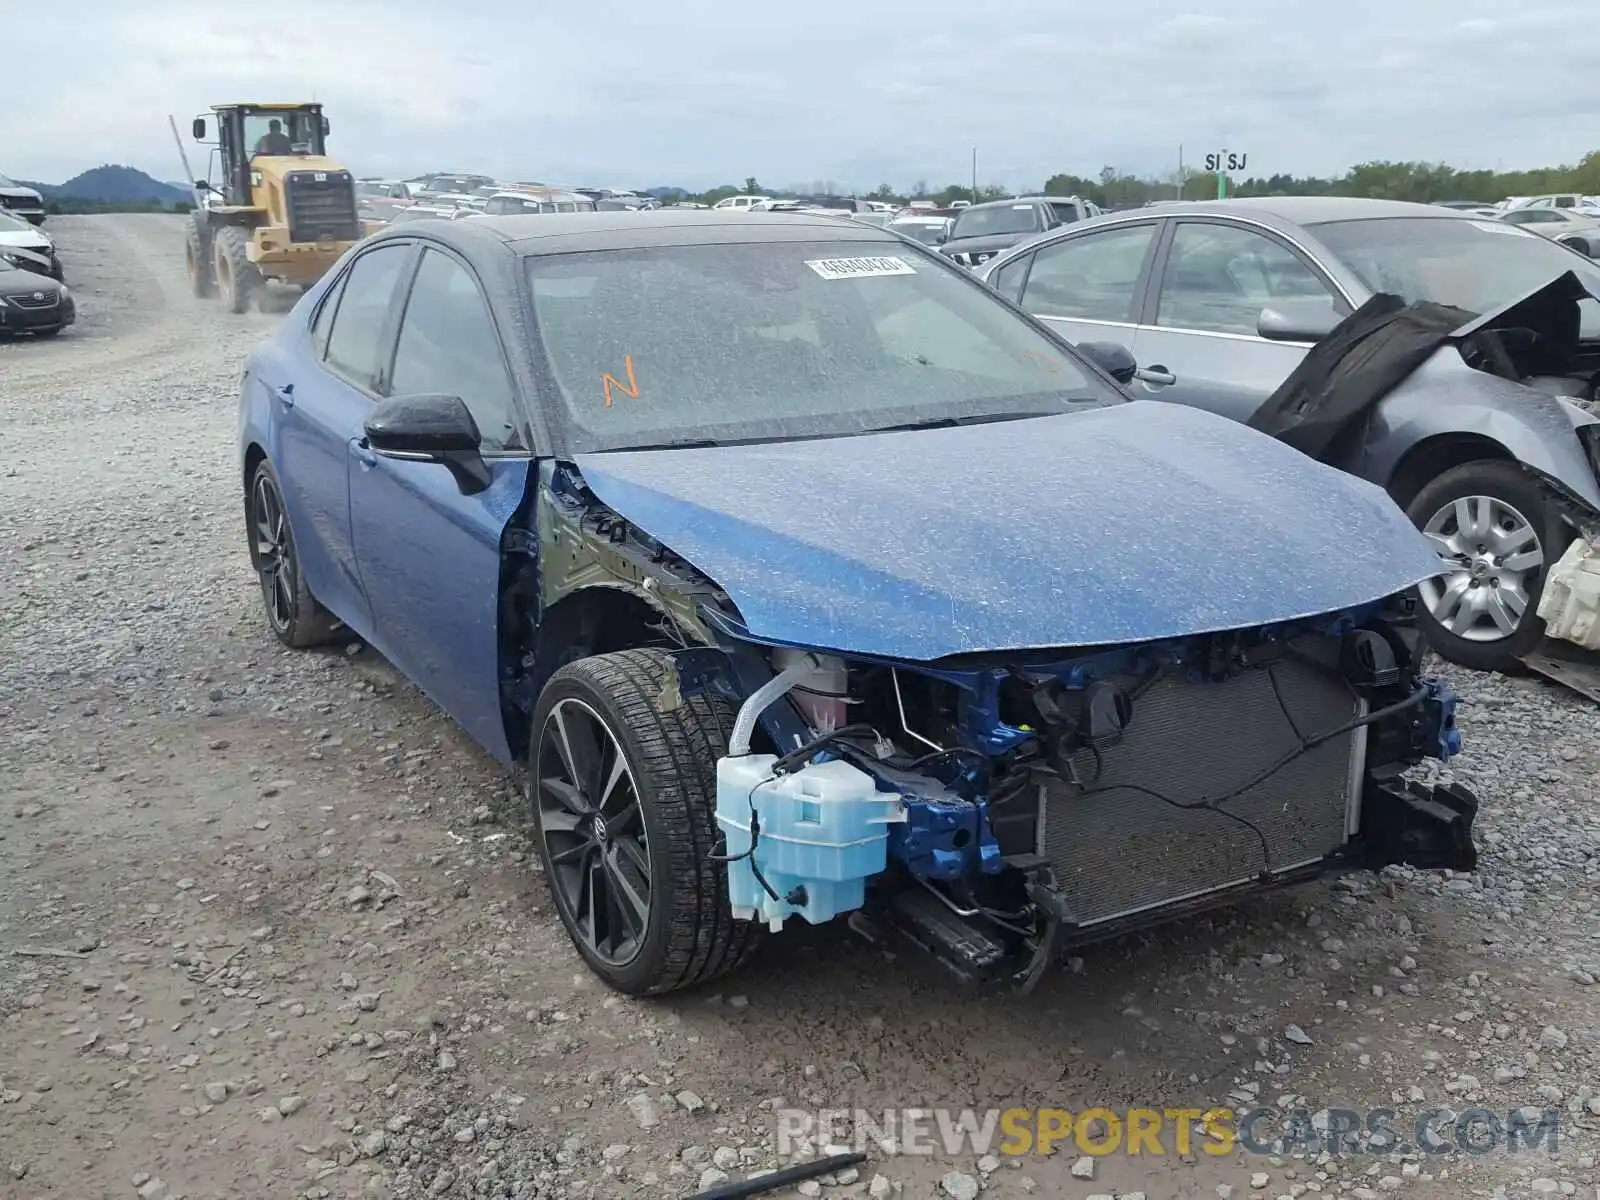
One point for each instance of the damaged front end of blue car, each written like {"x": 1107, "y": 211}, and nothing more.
{"x": 1011, "y": 717}
{"x": 1001, "y": 810}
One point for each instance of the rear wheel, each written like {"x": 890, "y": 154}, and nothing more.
{"x": 622, "y": 795}
{"x": 201, "y": 283}
{"x": 237, "y": 277}
{"x": 292, "y": 611}
{"x": 1496, "y": 538}
{"x": 1581, "y": 245}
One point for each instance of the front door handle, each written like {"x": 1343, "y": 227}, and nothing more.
{"x": 285, "y": 394}
{"x": 1155, "y": 375}
{"x": 363, "y": 450}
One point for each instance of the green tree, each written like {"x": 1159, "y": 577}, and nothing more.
{"x": 751, "y": 187}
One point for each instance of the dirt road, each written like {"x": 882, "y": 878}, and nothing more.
{"x": 267, "y": 927}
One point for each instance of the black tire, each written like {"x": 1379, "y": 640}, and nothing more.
{"x": 1581, "y": 245}
{"x": 690, "y": 935}
{"x": 237, "y": 277}
{"x": 197, "y": 263}
{"x": 1508, "y": 484}
{"x": 292, "y": 611}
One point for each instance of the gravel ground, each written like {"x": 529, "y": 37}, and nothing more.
{"x": 268, "y": 928}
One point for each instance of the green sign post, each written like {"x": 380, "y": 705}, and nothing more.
{"x": 1222, "y": 162}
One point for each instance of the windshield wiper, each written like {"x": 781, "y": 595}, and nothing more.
{"x": 952, "y": 422}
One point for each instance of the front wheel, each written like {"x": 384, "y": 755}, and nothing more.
{"x": 621, "y": 790}
{"x": 1496, "y": 538}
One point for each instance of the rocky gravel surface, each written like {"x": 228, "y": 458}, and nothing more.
{"x": 268, "y": 927}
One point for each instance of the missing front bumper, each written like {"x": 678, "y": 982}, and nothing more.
{"x": 1402, "y": 822}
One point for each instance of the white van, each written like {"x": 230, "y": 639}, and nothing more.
{"x": 739, "y": 203}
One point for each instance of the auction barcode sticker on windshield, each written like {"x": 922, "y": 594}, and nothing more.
{"x": 859, "y": 268}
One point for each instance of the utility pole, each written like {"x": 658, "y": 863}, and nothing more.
{"x": 1180, "y": 171}
{"x": 974, "y": 174}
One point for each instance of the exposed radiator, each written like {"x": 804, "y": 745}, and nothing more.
{"x": 1117, "y": 850}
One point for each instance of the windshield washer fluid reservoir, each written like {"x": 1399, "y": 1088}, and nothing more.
{"x": 824, "y": 829}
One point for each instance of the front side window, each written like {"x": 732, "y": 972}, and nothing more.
{"x": 1092, "y": 278}
{"x": 448, "y": 347}
{"x": 363, "y": 308}
{"x": 1218, "y": 278}
{"x": 772, "y": 340}
{"x": 996, "y": 220}
{"x": 1065, "y": 213}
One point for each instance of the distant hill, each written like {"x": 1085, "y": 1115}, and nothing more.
{"x": 112, "y": 184}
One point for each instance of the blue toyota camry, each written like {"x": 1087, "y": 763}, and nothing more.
{"x": 798, "y": 575}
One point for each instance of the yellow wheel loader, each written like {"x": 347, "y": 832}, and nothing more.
{"x": 283, "y": 210}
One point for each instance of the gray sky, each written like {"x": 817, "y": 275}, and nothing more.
{"x": 700, "y": 92}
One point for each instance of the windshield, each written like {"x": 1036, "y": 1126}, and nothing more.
{"x": 782, "y": 339}
{"x": 278, "y": 131}
{"x": 14, "y": 224}
{"x": 6, "y": 181}
{"x": 929, "y": 233}
{"x": 1475, "y": 265}
{"x": 1002, "y": 218}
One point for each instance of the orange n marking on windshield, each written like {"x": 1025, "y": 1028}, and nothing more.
{"x": 609, "y": 381}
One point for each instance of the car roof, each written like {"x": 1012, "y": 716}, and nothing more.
{"x": 563, "y": 233}
{"x": 539, "y": 191}
{"x": 1308, "y": 210}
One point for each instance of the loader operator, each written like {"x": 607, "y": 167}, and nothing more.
{"x": 274, "y": 141}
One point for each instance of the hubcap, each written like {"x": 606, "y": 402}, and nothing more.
{"x": 593, "y": 831}
{"x": 1492, "y": 559}
{"x": 274, "y": 557}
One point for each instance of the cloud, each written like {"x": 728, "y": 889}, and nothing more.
{"x": 700, "y": 92}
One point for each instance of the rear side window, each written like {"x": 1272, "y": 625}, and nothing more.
{"x": 448, "y": 347}
{"x": 352, "y": 346}
{"x": 1093, "y": 277}
{"x": 1065, "y": 213}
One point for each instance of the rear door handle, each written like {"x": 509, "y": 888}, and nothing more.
{"x": 285, "y": 394}
{"x": 1155, "y": 375}
{"x": 362, "y": 449}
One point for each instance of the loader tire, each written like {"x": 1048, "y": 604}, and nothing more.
{"x": 237, "y": 277}
{"x": 201, "y": 281}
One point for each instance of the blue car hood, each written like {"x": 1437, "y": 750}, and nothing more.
{"x": 1127, "y": 523}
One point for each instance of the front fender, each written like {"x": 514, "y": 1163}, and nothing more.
{"x": 1445, "y": 396}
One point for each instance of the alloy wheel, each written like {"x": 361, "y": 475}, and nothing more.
{"x": 593, "y": 831}
{"x": 1492, "y": 557}
{"x": 274, "y": 554}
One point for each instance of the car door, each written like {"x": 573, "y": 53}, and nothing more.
{"x": 1087, "y": 286}
{"x": 321, "y": 396}
{"x": 1197, "y": 343}
{"x": 429, "y": 553}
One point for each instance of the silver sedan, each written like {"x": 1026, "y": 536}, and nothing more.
{"x": 1220, "y": 301}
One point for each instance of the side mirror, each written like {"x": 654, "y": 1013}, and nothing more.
{"x": 199, "y": 128}
{"x": 430, "y": 428}
{"x": 1297, "y": 321}
{"x": 326, "y": 128}
{"x": 1115, "y": 359}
